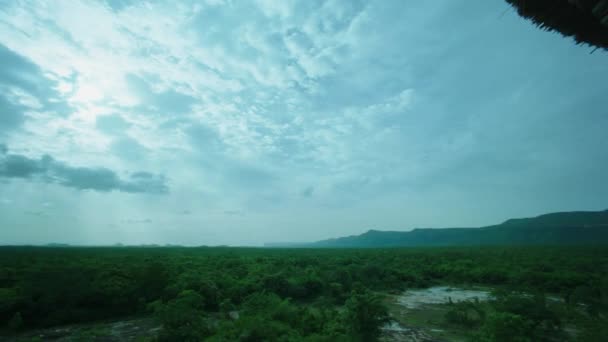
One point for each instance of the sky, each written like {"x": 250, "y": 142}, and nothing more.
{"x": 243, "y": 122}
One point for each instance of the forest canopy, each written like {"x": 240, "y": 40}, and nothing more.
{"x": 251, "y": 294}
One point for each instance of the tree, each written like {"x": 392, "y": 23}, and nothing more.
{"x": 183, "y": 318}
{"x": 503, "y": 327}
{"x": 365, "y": 315}
{"x": 16, "y": 323}
{"x": 466, "y": 313}
{"x": 521, "y": 317}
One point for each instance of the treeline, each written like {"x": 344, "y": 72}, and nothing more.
{"x": 273, "y": 294}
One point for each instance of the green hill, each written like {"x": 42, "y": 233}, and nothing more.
{"x": 565, "y": 228}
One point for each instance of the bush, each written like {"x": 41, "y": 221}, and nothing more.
{"x": 365, "y": 316}
{"x": 183, "y": 318}
{"x": 504, "y": 327}
{"x": 466, "y": 314}
{"x": 16, "y": 323}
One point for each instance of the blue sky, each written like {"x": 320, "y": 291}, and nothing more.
{"x": 244, "y": 122}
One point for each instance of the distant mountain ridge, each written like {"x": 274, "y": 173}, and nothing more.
{"x": 562, "y": 228}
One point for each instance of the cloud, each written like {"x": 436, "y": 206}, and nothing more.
{"x": 35, "y": 213}
{"x": 49, "y": 170}
{"x": 167, "y": 102}
{"x": 307, "y": 192}
{"x": 233, "y": 213}
{"x": 138, "y": 221}
{"x": 305, "y": 113}
{"x": 128, "y": 148}
{"x": 112, "y": 124}
{"x": 24, "y": 88}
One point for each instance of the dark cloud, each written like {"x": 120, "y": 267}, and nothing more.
{"x": 18, "y": 73}
{"x": 16, "y": 166}
{"x": 11, "y": 115}
{"x": 17, "y": 70}
{"x": 118, "y": 5}
{"x": 145, "y": 182}
{"x": 49, "y": 170}
{"x": 128, "y": 148}
{"x": 308, "y": 192}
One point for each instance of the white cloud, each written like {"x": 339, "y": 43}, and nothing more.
{"x": 245, "y": 104}
{"x": 21, "y": 97}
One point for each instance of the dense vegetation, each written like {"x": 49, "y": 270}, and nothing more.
{"x": 239, "y": 294}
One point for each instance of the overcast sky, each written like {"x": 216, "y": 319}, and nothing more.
{"x": 244, "y": 122}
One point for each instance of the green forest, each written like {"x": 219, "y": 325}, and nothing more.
{"x": 255, "y": 294}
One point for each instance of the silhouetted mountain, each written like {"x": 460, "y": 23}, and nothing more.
{"x": 582, "y": 227}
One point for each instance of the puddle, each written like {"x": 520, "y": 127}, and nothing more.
{"x": 395, "y": 327}
{"x": 420, "y": 314}
{"x": 395, "y": 332}
{"x": 413, "y": 299}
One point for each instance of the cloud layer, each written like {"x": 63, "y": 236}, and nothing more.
{"x": 47, "y": 169}
{"x": 289, "y": 120}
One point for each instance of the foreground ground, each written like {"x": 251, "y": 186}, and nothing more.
{"x": 189, "y": 294}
